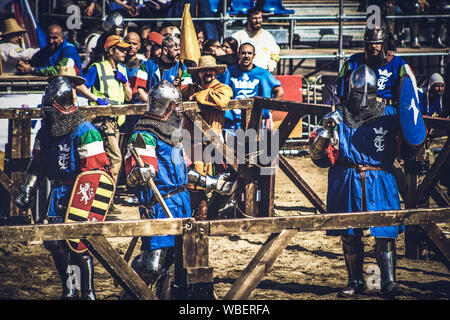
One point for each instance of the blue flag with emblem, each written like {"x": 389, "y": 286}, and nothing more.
{"x": 410, "y": 117}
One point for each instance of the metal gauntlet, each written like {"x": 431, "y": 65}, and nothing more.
{"x": 140, "y": 175}
{"x": 27, "y": 192}
{"x": 324, "y": 134}
{"x": 219, "y": 183}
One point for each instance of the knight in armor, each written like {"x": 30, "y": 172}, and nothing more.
{"x": 166, "y": 165}
{"x": 388, "y": 67}
{"x": 65, "y": 146}
{"x": 358, "y": 144}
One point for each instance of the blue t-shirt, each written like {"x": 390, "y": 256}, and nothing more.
{"x": 248, "y": 84}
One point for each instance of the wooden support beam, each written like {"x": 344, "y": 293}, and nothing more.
{"x": 434, "y": 174}
{"x": 440, "y": 197}
{"x": 437, "y": 123}
{"x": 313, "y": 109}
{"x": 292, "y": 174}
{"x": 243, "y": 104}
{"x": 79, "y": 230}
{"x": 119, "y": 269}
{"x": 439, "y": 239}
{"x": 8, "y": 184}
{"x": 248, "y": 172}
{"x": 329, "y": 221}
{"x": 17, "y": 156}
{"x": 259, "y": 266}
{"x": 193, "y": 275}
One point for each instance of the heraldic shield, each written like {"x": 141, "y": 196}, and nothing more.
{"x": 410, "y": 117}
{"x": 91, "y": 197}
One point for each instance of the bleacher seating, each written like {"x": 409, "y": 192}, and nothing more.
{"x": 276, "y": 7}
{"x": 240, "y": 6}
{"x": 214, "y": 6}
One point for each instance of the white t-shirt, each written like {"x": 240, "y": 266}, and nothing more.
{"x": 12, "y": 53}
{"x": 265, "y": 46}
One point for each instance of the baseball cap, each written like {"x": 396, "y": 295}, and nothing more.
{"x": 115, "y": 40}
{"x": 155, "y": 37}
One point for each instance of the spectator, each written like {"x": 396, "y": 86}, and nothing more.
{"x": 170, "y": 28}
{"x": 11, "y": 49}
{"x": 212, "y": 94}
{"x": 267, "y": 52}
{"x": 124, "y": 8}
{"x": 431, "y": 97}
{"x": 230, "y": 46}
{"x": 200, "y": 36}
{"x": 167, "y": 67}
{"x": 95, "y": 50}
{"x": 109, "y": 84}
{"x": 57, "y": 52}
{"x": 133, "y": 59}
{"x": 145, "y": 31}
{"x": 248, "y": 80}
{"x": 213, "y": 48}
{"x": 154, "y": 42}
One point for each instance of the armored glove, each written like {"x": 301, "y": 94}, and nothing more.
{"x": 28, "y": 190}
{"x": 324, "y": 134}
{"x": 331, "y": 120}
{"x": 141, "y": 176}
{"x": 223, "y": 184}
{"x": 219, "y": 183}
{"x": 120, "y": 77}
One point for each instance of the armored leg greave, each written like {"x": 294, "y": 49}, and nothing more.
{"x": 150, "y": 265}
{"x": 353, "y": 248}
{"x": 87, "y": 277}
{"x": 385, "y": 252}
{"x": 61, "y": 256}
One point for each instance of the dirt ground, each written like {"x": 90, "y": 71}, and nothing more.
{"x": 310, "y": 268}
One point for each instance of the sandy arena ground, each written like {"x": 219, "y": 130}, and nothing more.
{"x": 310, "y": 268}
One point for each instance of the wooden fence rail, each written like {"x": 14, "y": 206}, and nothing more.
{"x": 193, "y": 275}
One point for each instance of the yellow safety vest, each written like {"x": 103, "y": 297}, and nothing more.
{"x": 110, "y": 89}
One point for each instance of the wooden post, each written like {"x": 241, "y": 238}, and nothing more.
{"x": 193, "y": 276}
{"x": 247, "y": 186}
{"x": 415, "y": 243}
{"x": 17, "y": 157}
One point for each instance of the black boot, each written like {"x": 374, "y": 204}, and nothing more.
{"x": 385, "y": 252}
{"x": 61, "y": 256}
{"x": 353, "y": 248}
{"x": 87, "y": 277}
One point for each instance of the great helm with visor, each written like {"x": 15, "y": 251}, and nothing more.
{"x": 362, "y": 85}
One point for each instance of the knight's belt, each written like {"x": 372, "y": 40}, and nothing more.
{"x": 362, "y": 173}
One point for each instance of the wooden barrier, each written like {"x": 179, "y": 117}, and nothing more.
{"x": 193, "y": 275}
